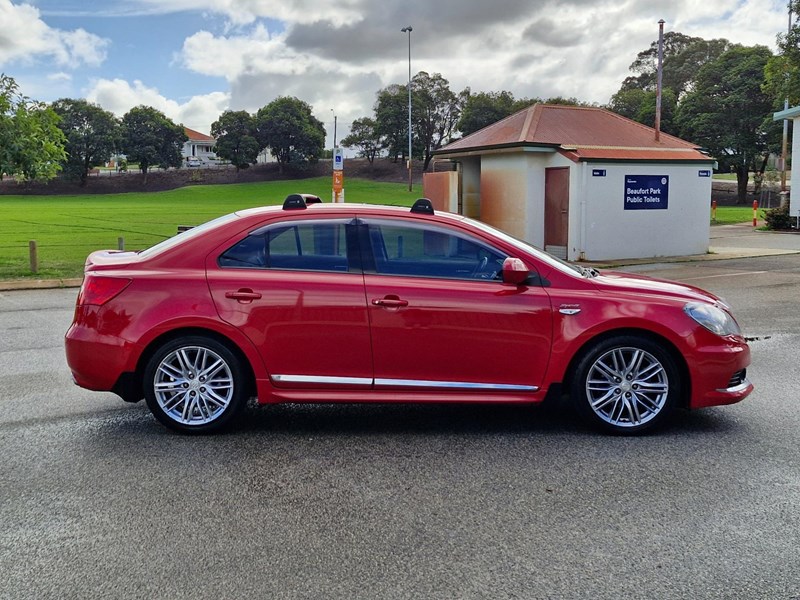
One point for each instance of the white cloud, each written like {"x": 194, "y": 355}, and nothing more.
{"x": 244, "y": 12}
{"x": 24, "y": 37}
{"x": 119, "y": 96}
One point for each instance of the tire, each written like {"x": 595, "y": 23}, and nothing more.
{"x": 625, "y": 384}
{"x": 194, "y": 384}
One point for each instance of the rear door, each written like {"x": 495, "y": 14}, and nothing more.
{"x": 295, "y": 288}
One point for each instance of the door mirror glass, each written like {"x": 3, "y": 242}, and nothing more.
{"x": 515, "y": 271}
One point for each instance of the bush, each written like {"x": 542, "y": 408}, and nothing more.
{"x": 778, "y": 218}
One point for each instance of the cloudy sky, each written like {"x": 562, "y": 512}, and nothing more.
{"x": 192, "y": 59}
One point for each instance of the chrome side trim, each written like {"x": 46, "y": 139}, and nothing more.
{"x": 322, "y": 379}
{"x": 464, "y": 385}
{"x": 736, "y": 389}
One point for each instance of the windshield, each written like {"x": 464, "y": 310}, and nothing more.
{"x": 187, "y": 235}
{"x": 557, "y": 263}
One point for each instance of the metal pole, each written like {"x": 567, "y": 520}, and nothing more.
{"x": 334, "y": 131}
{"x": 658, "y": 85}
{"x": 785, "y": 140}
{"x": 409, "y": 29}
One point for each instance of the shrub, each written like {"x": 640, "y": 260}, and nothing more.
{"x": 778, "y": 218}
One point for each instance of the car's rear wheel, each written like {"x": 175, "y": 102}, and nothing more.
{"x": 194, "y": 384}
{"x": 625, "y": 384}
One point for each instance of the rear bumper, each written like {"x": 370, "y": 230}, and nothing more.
{"x": 96, "y": 362}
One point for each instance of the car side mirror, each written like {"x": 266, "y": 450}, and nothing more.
{"x": 515, "y": 271}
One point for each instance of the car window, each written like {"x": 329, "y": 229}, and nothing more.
{"x": 423, "y": 250}
{"x": 308, "y": 246}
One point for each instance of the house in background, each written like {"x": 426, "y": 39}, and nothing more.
{"x": 583, "y": 183}
{"x": 199, "y": 145}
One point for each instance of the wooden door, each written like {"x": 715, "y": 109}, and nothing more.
{"x": 556, "y": 210}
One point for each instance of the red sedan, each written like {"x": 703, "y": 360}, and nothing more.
{"x": 315, "y": 302}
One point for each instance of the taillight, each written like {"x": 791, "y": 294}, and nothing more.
{"x": 98, "y": 290}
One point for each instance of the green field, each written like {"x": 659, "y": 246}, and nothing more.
{"x": 67, "y": 228}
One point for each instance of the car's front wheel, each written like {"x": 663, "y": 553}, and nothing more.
{"x": 625, "y": 384}
{"x": 194, "y": 384}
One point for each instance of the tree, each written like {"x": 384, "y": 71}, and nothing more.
{"x": 727, "y": 110}
{"x": 640, "y": 106}
{"x": 683, "y": 57}
{"x": 435, "y": 112}
{"x": 151, "y": 139}
{"x": 391, "y": 119}
{"x": 484, "y": 108}
{"x": 783, "y": 71}
{"x": 288, "y": 128}
{"x": 364, "y": 135}
{"x": 237, "y": 138}
{"x": 31, "y": 144}
{"x": 92, "y": 136}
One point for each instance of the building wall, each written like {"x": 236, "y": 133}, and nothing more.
{"x": 506, "y": 190}
{"x": 471, "y": 187}
{"x": 604, "y": 230}
{"x": 512, "y": 191}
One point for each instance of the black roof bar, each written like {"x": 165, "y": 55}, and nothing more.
{"x": 422, "y": 206}
{"x": 300, "y": 201}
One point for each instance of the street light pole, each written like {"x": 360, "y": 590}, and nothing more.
{"x": 334, "y": 128}
{"x": 409, "y": 30}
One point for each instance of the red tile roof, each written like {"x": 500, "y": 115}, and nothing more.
{"x": 196, "y": 136}
{"x": 580, "y": 133}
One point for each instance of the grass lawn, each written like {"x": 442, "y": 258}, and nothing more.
{"x": 67, "y": 228}
{"x": 728, "y": 215}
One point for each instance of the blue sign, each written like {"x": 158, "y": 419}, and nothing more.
{"x": 598, "y": 172}
{"x": 646, "y": 192}
{"x": 704, "y": 173}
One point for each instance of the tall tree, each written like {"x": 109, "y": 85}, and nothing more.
{"x": 292, "y": 133}
{"x": 435, "y": 112}
{"x": 727, "y": 110}
{"x": 151, "y": 139}
{"x": 683, "y": 58}
{"x": 364, "y": 135}
{"x": 92, "y": 134}
{"x": 484, "y": 108}
{"x": 31, "y": 144}
{"x": 783, "y": 70}
{"x": 391, "y": 119}
{"x": 236, "y": 133}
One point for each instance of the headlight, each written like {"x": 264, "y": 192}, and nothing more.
{"x": 712, "y": 318}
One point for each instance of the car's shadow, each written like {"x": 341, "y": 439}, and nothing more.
{"x": 553, "y": 418}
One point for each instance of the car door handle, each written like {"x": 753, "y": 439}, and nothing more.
{"x": 243, "y": 295}
{"x": 389, "y": 302}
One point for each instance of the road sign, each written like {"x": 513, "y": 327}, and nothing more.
{"x": 338, "y": 159}
{"x": 338, "y": 181}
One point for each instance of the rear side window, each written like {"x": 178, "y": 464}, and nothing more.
{"x": 306, "y": 246}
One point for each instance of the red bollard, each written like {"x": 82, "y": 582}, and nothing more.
{"x": 755, "y": 213}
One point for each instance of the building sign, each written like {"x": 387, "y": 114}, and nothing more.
{"x": 598, "y": 172}
{"x": 704, "y": 173}
{"x": 338, "y": 159}
{"x": 646, "y": 192}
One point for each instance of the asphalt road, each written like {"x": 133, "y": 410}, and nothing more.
{"x": 97, "y": 500}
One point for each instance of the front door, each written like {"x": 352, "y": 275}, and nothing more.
{"x": 441, "y": 317}
{"x": 556, "y": 210}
